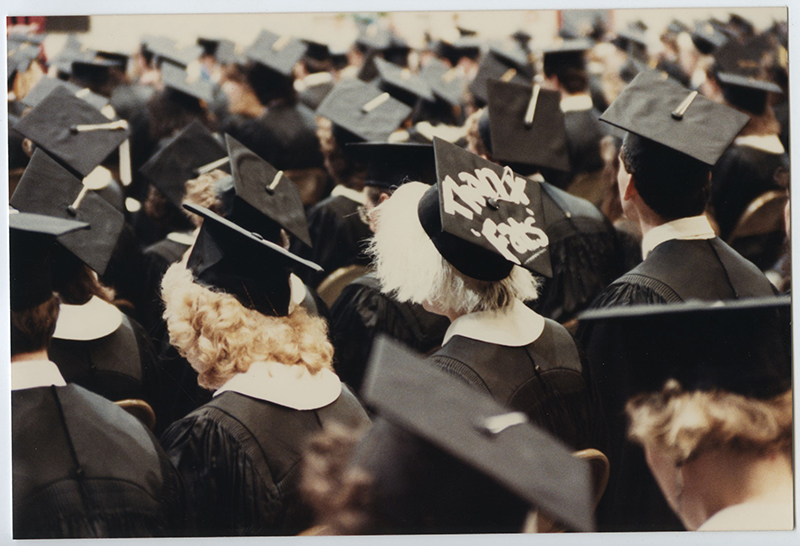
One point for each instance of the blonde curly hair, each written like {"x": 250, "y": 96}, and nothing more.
{"x": 220, "y": 337}
{"x": 684, "y": 424}
{"x": 200, "y": 191}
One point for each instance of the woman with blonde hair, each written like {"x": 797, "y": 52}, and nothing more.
{"x": 229, "y": 312}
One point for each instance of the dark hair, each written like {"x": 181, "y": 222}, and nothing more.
{"x": 32, "y": 329}
{"x": 570, "y": 69}
{"x": 269, "y": 85}
{"x": 671, "y": 183}
{"x": 74, "y": 282}
{"x": 169, "y": 111}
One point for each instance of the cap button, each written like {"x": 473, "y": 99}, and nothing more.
{"x": 492, "y": 203}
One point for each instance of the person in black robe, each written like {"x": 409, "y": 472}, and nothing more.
{"x": 663, "y": 183}
{"x": 81, "y": 466}
{"x": 270, "y": 364}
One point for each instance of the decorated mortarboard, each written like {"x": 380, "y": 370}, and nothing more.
{"x": 478, "y": 431}
{"x": 192, "y": 84}
{"x": 707, "y": 37}
{"x": 660, "y": 109}
{"x": 277, "y": 52}
{"x": 446, "y": 83}
{"x": 402, "y": 84}
{"x": 267, "y": 194}
{"x": 390, "y": 165}
{"x": 493, "y": 68}
{"x": 76, "y": 133}
{"x": 183, "y": 158}
{"x": 484, "y": 218}
{"x": 527, "y": 126}
{"x": 48, "y": 188}
{"x": 242, "y": 263}
{"x": 31, "y": 239}
{"x": 363, "y": 110}
{"x": 46, "y": 85}
{"x": 742, "y": 347}
{"x": 513, "y": 54}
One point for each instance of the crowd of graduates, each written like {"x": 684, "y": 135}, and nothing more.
{"x": 476, "y": 286}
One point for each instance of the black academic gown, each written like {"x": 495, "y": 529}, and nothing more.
{"x": 674, "y": 271}
{"x": 584, "y": 132}
{"x": 158, "y": 257}
{"x": 362, "y": 312}
{"x": 239, "y": 458}
{"x": 119, "y": 366}
{"x": 84, "y": 468}
{"x": 338, "y": 236}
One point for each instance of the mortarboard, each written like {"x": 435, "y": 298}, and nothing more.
{"x": 267, "y": 194}
{"x": 482, "y": 217}
{"x": 184, "y": 82}
{"x": 363, "y": 110}
{"x": 742, "y": 347}
{"x": 513, "y": 54}
{"x": 277, "y": 53}
{"x": 243, "y": 264}
{"x": 119, "y": 58}
{"x": 180, "y": 158}
{"x": 522, "y": 37}
{"x": 48, "y": 188}
{"x": 445, "y": 82}
{"x": 473, "y": 428}
{"x": 707, "y": 37}
{"x": 31, "y": 240}
{"x": 527, "y": 126}
{"x": 20, "y": 57}
{"x": 660, "y": 109}
{"x": 45, "y": 85}
{"x": 166, "y": 49}
{"x": 741, "y": 71}
{"x": 402, "y": 84}
{"x": 492, "y": 68}
{"x": 72, "y": 51}
{"x": 389, "y": 165}
{"x": 565, "y": 54}
{"x": 224, "y": 51}
{"x": 75, "y": 133}
{"x": 676, "y": 27}
{"x": 95, "y": 70}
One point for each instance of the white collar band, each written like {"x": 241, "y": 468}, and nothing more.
{"x": 577, "y": 103}
{"x": 766, "y": 143}
{"x": 513, "y": 326}
{"x": 30, "y": 374}
{"x": 692, "y": 228}
{"x": 92, "y": 320}
{"x": 352, "y": 195}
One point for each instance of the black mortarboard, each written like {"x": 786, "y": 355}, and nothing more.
{"x": 224, "y": 51}
{"x": 45, "y": 85}
{"x": 707, "y": 37}
{"x": 363, "y": 110}
{"x": 522, "y": 37}
{"x": 660, "y": 109}
{"x": 48, "y": 188}
{"x": 565, "y": 54}
{"x": 72, "y": 51}
{"x": 376, "y": 38}
{"x": 119, "y": 58}
{"x": 475, "y": 429}
{"x": 391, "y": 164}
{"x": 243, "y": 264}
{"x": 453, "y": 51}
{"x": 527, "y": 126}
{"x": 635, "y": 32}
{"x": 267, "y": 193}
{"x": 278, "y": 53}
{"x": 31, "y": 239}
{"x": 742, "y": 59}
{"x": 92, "y": 71}
{"x": 492, "y": 68}
{"x": 513, "y": 54}
{"x": 742, "y": 347}
{"x": 180, "y": 80}
{"x": 445, "y": 82}
{"x": 402, "y": 84}
{"x": 178, "y": 160}
{"x": 165, "y": 49}
{"x": 740, "y": 69}
{"x": 73, "y": 131}
{"x": 482, "y": 217}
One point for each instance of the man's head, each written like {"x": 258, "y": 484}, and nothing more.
{"x": 32, "y": 328}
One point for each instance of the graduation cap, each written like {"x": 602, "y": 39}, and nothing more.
{"x": 94, "y": 71}
{"x": 376, "y": 38}
{"x": 743, "y": 59}
{"x": 183, "y": 158}
{"x": 478, "y": 431}
{"x": 242, "y": 263}
{"x": 527, "y": 126}
{"x": 522, "y": 37}
{"x": 20, "y": 58}
{"x": 446, "y": 83}
{"x": 493, "y": 68}
{"x": 72, "y": 51}
{"x": 676, "y": 27}
{"x": 48, "y": 188}
{"x": 74, "y": 132}
{"x": 390, "y": 165}
{"x": 565, "y": 54}
{"x": 119, "y": 58}
{"x": 513, "y": 54}
{"x": 402, "y": 84}
{"x": 224, "y": 51}
{"x": 660, "y": 109}
{"x": 166, "y": 49}
{"x": 46, "y": 85}
{"x": 741, "y": 347}
{"x": 277, "y": 53}
{"x": 31, "y": 240}
{"x": 707, "y": 37}
{"x": 191, "y": 84}
{"x": 363, "y": 110}
{"x": 261, "y": 192}
{"x": 484, "y": 218}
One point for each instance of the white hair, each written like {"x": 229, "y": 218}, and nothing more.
{"x": 410, "y": 268}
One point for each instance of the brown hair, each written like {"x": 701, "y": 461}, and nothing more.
{"x": 200, "y": 191}
{"x": 342, "y": 169}
{"x": 32, "y": 329}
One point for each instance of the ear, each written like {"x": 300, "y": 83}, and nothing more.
{"x": 383, "y": 198}
{"x": 630, "y": 189}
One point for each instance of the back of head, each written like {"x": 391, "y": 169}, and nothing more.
{"x": 32, "y": 329}
{"x": 671, "y": 183}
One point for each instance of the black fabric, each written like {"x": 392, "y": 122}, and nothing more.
{"x": 239, "y": 456}
{"x": 84, "y": 468}
{"x": 543, "y": 379}
{"x": 584, "y": 132}
{"x": 674, "y": 271}
{"x": 126, "y": 273}
{"x": 158, "y": 257}
{"x": 338, "y": 235}
{"x": 362, "y": 312}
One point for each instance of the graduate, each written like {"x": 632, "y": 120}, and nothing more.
{"x": 81, "y": 466}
